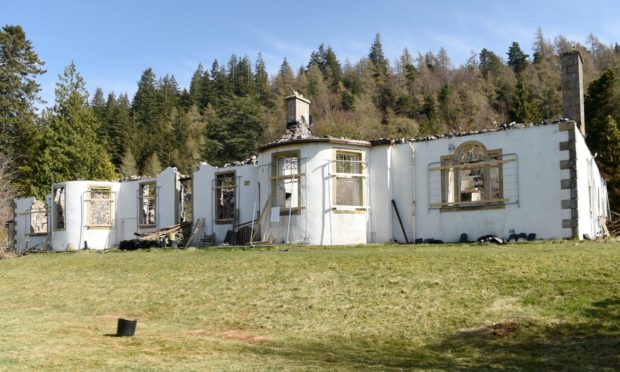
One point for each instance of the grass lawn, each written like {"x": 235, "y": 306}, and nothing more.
{"x": 552, "y": 305}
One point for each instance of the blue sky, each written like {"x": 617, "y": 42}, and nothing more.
{"x": 113, "y": 41}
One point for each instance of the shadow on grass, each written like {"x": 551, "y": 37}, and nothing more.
{"x": 590, "y": 345}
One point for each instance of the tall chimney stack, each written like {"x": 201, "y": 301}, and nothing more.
{"x": 572, "y": 88}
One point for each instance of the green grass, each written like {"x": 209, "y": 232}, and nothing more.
{"x": 553, "y": 305}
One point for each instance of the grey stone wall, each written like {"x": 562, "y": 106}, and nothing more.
{"x": 572, "y": 88}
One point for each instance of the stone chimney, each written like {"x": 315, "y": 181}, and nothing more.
{"x": 297, "y": 116}
{"x": 572, "y": 88}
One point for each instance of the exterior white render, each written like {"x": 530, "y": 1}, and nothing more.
{"x": 537, "y": 181}
{"x": 98, "y": 214}
{"x": 538, "y": 186}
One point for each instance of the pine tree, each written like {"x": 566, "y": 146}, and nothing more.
{"x": 333, "y": 69}
{"x": 316, "y": 85}
{"x": 377, "y": 59}
{"x": 517, "y": 59}
{"x": 98, "y": 104}
{"x": 245, "y": 79}
{"x": 121, "y": 130}
{"x": 522, "y": 109}
{"x": 449, "y": 107}
{"x": 19, "y": 68}
{"x": 490, "y": 63}
{"x": 261, "y": 80}
{"x": 206, "y": 91}
{"x": 327, "y": 62}
{"x": 602, "y": 111}
{"x": 601, "y": 102}
{"x": 233, "y": 131}
{"x": 70, "y": 148}
{"x": 283, "y": 83}
{"x": 195, "y": 86}
{"x": 221, "y": 86}
{"x": 430, "y": 122}
{"x": 128, "y": 166}
{"x": 146, "y": 114}
{"x": 152, "y": 166}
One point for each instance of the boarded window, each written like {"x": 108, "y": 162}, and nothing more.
{"x": 285, "y": 177}
{"x": 100, "y": 206}
{"x": 38, "y": 218}
{"x": 58, "y": 208}
{"x": 225, "y": 196}
{"x": 349, "y": 182}
{"x": 147, "y": 201}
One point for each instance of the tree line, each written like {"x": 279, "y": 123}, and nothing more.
{"x": 230, "y": 108}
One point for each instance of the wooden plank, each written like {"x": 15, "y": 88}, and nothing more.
{"x": 469, "y": 204}
{"x": 156, "y": 234}
{"x": 260, "y": 218}
{"x": 199, "y": 226}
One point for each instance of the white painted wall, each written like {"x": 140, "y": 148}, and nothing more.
{"x": 77, "y": 231}
{"x": 380, "y": 190}
{"x": 168, "y": 186}
{"x": 319, "y": 221}
{"x": 204, "y": 196}
{"x": 23, "y": 236}
{"x": 166, "y": 206}
{"x": 127, "y": 211}
{"x": 591, "y": 192}
{"x": 539, "y": 207}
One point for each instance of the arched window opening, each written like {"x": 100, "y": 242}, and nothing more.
{"x": 472, "y": 176}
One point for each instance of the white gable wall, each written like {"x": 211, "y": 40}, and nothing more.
{"x": 539, "y": 183}
{"x": 592, "y": 192}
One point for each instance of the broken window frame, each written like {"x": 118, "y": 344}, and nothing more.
{"x": 143, "y": 220}
{"x": 349, "y": 164}
{"x": 472, "y": 156}
{"x": 59, "y": 217}
{"x": 223, "y": 216}
{"x": 31, "y": 216}
{"x": 291, "y": 176}
{"x": 109, "y": 201}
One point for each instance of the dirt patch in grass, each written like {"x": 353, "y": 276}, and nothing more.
{"x": 230, "y": 334}
{"x": 235, "y": 334}
{"x": 495, "y": 330}
{"x": 503, "y": 329}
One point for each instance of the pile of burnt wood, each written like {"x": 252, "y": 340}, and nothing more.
{"x": 171, "y": 236}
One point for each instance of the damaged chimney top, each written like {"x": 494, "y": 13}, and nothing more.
{"x": 298, "y": 108}
{"x": 572, "y": 88}
{"x": 297, "y": 116}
